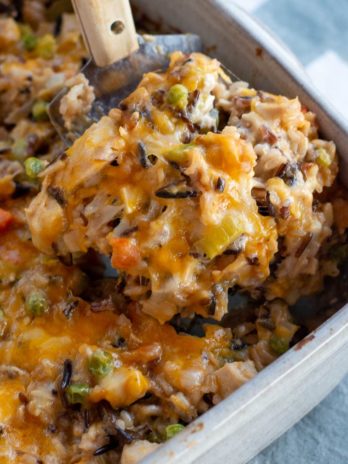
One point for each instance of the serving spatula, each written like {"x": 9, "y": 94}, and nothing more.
{"x": 120, "y": 57}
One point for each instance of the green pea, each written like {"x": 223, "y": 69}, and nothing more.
{"x": 279, "y": 345}
{"x": 29, "y": 40}
{"x": 100, "y": 363}
{"x": 39, "y": 110}
{"x": 76, "y": 393}
{"x": 46, "y": 47}
{"x": 36, "y": 303}
{"x": 33, "y": 166}
{"x": 20, "y": 149}
{"x": 173, "y": 429}
{"x": 178, "y": 96}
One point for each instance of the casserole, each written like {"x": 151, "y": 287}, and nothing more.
{"x": 259, "y": 412}
{"x": 104, "y": 354}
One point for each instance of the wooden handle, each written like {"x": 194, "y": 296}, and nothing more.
{"x": 108, "y": 29}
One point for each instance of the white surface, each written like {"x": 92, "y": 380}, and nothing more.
{"x": 330, "y": 74}
{"x": 248, "y": 5}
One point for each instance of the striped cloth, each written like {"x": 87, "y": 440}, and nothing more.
{"x": 317, "y": 32}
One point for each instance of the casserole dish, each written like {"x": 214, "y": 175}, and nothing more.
{"x": 259, "y": 412}
{"x": 106, "y": 369}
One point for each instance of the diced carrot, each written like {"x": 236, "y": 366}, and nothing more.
{"x": 6, "y": 219}
{"x": 125, "y": 253}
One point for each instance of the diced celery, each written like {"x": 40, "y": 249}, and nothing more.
{"x": 214, "y": 241}
{"x": 177, "y": 96}
{"x": 231, "y": 226}
{"x": 323, "y": 158}
{"x": 173, "y": 429}
{"x": 179, "y": 153}
{"x": 132, "y": 198}
{"x": 100, "y": 363}
{"x": 20, "y": 149}
{"x": 217, "y": 238}
{"x": 33, "y": 166}
{"x": 46, "y": 47}
{"x": 76, "y": 393}
{"x": 286, "y": 330}
{"x": 39, "y": 110}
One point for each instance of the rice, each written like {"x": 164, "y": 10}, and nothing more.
{"x": 220, "y": 208}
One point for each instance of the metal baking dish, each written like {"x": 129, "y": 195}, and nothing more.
{"x": 250, "y": 419}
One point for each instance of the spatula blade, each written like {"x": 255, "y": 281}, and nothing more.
{"x": 113, "y": 83}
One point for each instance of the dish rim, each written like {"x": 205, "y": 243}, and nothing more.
{"x": 212, "y": 428}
